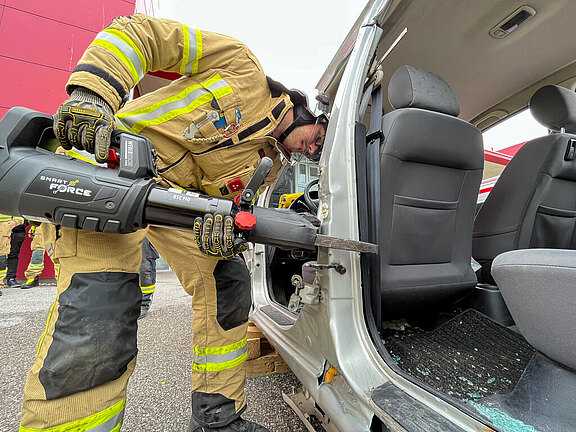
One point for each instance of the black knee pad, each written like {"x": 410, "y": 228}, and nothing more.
{"x": 95, "y": 334}
{"x": 233, "y": 288}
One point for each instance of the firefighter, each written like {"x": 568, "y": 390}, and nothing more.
{"x": 210, "y": 129}
{"x": 16, "y": 240}
{"x": 6, "y": 225}
{"x": 36, "y": 264}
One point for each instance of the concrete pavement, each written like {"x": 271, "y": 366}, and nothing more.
{"x": 158, "y": 394}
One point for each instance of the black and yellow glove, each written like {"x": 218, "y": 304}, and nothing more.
{"x": 85, "y": 121}
{"x": 215, "y": 237}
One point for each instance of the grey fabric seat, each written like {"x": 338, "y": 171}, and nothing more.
{"x": 538, "y": 287}
{"x": 431, "y": 166}
{"x": 533, "y": 203}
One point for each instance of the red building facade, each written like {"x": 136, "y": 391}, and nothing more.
{"x": 40, "y": 43}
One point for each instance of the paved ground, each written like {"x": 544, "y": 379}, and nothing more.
{"x": 158, "y": 393}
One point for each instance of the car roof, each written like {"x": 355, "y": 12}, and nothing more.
{"x": 492, "y": 77}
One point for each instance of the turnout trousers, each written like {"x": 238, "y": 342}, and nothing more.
{"x": 148, "y": 269}
{"x": 88, "y": 351}
{"x": 17, "y": 238}
{"x": 5, "y": 231}
{"x": 36, "y": 264}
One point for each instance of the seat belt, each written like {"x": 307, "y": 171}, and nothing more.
{"x": 371, "y": 155}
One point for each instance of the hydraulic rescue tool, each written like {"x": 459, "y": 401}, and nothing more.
{"x": 43, "y": 186}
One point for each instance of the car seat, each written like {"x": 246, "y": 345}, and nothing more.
{"x": 533, "y": 203}
{"x": 431, "y": 165}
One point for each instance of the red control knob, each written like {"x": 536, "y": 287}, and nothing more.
{"x": 245, "y": 220}
{"x": 112, "y": 160}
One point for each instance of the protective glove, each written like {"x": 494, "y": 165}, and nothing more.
{"x": 215, "y": 237}
{"x": 85, "y": 121}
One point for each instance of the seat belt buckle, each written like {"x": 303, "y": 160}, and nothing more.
{"x": 570, "y": 150}
{"x": 377, "y": 134}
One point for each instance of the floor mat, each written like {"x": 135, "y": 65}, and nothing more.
{"x": 469, "y": 357}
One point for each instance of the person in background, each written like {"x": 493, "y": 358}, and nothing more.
{"x": 16, "y": 240}
{"x": 36, "y": 264}
{"x": 147, "y": 275}
{"x": 7, "y": 223}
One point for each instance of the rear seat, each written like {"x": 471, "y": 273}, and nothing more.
{"x": 533, "y": 203}
{"x": 538, "y": 287}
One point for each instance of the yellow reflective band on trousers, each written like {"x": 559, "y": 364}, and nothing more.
{"x": 215, "y": 359}
{"x": 108, "y": 420}
{"x": 45, "y": 329}
{"x": 125, "y": 49}
{"x": 6, "y": 218}
{"x": 148, "y": 289}
{"x": 181, "y": 103}
{"x": 192, "y": 51}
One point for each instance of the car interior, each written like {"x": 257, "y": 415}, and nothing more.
{"x": 476, "y": 307}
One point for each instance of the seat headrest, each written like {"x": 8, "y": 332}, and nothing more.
{"x": 411, "y": 87}
{"x": 555, "y": 107}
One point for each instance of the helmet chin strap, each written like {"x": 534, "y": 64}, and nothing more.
{"x": 301, "y": 117}
{"x": 287, "y": 132}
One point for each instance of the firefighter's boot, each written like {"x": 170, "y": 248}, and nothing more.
{"x": 31, "y": 283}
{"x": 238, "y": 425}
{"x": 146, "y": 303}
{"x": 12, "y": 283}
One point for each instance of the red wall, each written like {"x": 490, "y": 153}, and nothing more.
{"x": 40, "y": 43}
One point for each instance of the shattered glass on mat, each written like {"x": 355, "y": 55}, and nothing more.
{"x": 468, "y": 358}
{"x": 501, "y": 420}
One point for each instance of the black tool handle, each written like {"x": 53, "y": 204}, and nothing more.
{"x": 257, "y": 180}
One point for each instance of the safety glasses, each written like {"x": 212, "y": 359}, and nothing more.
{"x": 316, "y": 141}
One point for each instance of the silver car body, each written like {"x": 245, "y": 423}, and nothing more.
{"x": 334, "y": 332}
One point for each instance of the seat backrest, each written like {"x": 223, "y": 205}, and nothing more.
{"x": 431, "y": 166}
{"x": 533, "y": 203}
